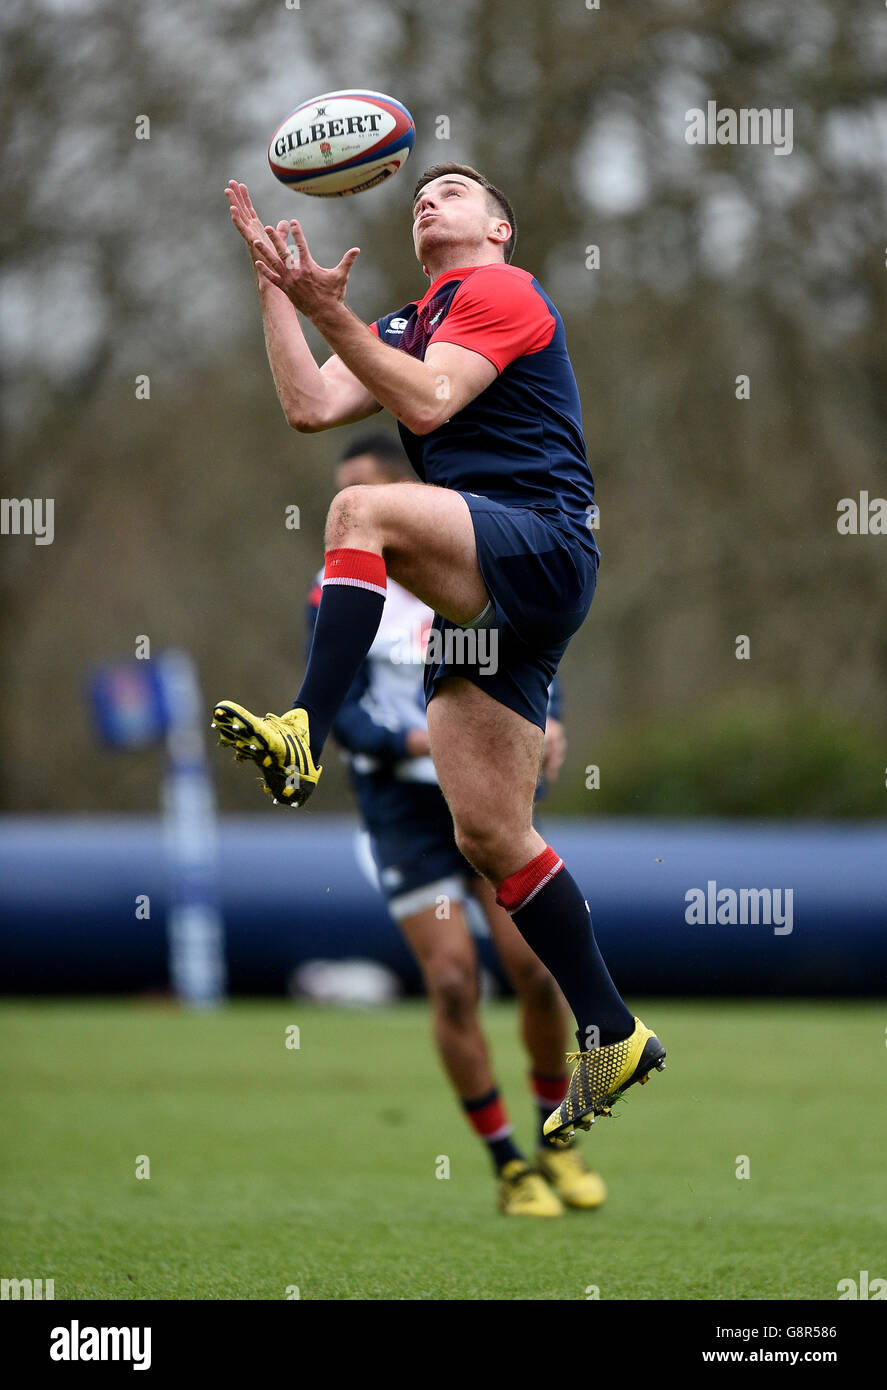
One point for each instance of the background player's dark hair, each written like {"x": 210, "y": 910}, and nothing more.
{"x": 495, "y": 195}
{"x": 388, "y": 451}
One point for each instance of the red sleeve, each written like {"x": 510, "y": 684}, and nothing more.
{"x": 375, "y": 327}
{"x": 497, "y": 312}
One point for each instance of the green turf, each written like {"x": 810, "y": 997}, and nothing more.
{"x": 315, "y": 1167}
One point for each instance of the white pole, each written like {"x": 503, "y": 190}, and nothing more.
{"x": 194, "y": 923}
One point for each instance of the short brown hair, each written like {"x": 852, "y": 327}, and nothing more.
{"x": 495, "y": 195}
{"x": 385, "y": 449}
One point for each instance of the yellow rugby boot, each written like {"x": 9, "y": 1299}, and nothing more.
{"x": 565, "y": 1170}
{"x": 524, "y": 1193}
{"x": 279, "y": 746}
{"x": 600, "y": 1077}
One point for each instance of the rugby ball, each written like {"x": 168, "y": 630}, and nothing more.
{"x": 341, "y": 143}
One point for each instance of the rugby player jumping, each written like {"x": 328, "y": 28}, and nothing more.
{"x": 477, "y": 375}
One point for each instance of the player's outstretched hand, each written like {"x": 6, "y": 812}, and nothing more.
{"x": 309, "y": 286}
{"x": 418, "y": 744}
{"x": 554, "y": 749}
{"x": 247, "y": 220}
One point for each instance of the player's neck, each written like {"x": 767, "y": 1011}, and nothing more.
{"x": 458, "y": 258}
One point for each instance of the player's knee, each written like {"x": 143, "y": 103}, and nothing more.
{"x": 351, "y": 515}
{"x": 483, "y": 845}
{"x": 452, "y": 988}
{"x": 536, "y": 987}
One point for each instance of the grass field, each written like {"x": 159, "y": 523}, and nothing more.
{"x": 315, "y": 1167}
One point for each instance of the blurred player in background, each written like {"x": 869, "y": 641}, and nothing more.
{"x": 383, "y": 726}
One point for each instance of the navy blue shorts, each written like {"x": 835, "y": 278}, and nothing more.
{"x": 411, "y": 833}
{"x": 541, "y": 579}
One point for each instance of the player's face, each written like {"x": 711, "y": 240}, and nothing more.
{"x": 451, "y": 212}
{"x": 362, "y": 469}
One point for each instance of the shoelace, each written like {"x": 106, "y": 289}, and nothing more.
{"x": 573, "y": 1059}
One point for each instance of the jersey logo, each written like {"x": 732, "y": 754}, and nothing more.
{"x": 396, "y": 326}
{"x": 432, "y": 322}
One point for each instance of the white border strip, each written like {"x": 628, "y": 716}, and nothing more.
{"x": 539, "y": 886}
{"x": 358, "y": 584}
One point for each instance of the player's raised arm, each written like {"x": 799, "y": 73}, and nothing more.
{"x": 312, "y": 398}
{"x": 422, "y": 394}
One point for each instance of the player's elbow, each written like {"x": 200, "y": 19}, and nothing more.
{"x": 304, "y": 420}
{"x": 424, "y": 419}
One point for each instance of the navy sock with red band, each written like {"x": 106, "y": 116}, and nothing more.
{"x": 489, "y": 1120}
{"x": 354, "y": 589}
{"x": 551, "y": 915}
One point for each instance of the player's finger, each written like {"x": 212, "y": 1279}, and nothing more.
{"x": 268, "y": 273}
{"x": 242, "y": 197}
{"x": 348, "y": 259}
{"x": 279, "y": 244}
{"x": 299, "y": 239}
{"x": 290, "y": 257}
{"x": 261, "y": 248}
{"x": 273, "y": 234}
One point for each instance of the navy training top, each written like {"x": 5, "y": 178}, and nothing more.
{"x": 520, "y": 441}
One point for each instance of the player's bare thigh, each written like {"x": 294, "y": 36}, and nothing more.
{"x": 487, "y": 759}
{"x": 445, "y": 950}
{"x": 426, "y": 536}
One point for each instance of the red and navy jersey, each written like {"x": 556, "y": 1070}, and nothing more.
{"x": 520, "y": 441}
